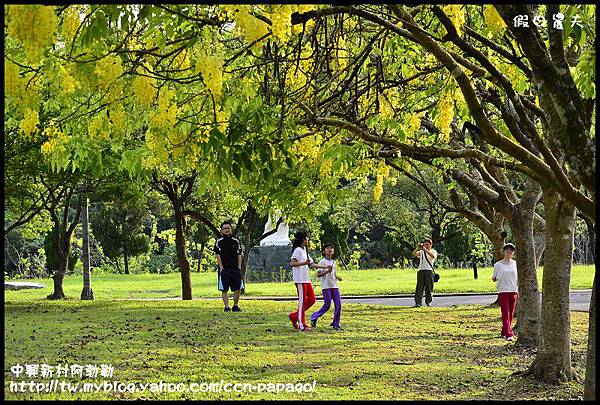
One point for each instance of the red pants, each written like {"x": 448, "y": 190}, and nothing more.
{"x": 507, "y": 306}
{"x": 306, "y": 299}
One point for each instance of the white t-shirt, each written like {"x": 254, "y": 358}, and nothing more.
{"x": 300, "y": 273}
{"x": 328, "y": 280}
{"x": 423, "y": 265}
{"x": 506, "y": 276}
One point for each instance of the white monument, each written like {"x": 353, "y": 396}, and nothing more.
{"x": 279, "y": 238}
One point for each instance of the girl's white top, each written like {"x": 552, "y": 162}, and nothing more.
{"x": 506, "y": 276}
{"x": 300, "y": 273}
{"x": 328, "y": 280}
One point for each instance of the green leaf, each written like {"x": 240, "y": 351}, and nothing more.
{"x": 161, "y": 41}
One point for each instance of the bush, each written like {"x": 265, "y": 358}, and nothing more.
{"x": 163, "y": 263}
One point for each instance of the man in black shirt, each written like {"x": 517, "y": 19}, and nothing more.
{"x": 229, "y": 259}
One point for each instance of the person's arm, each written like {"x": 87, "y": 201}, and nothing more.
{"x": 495, "y": 274}
{"x": 431, "y": 254}
{"x": 239, "y": 256}
{"x": 296, "y": 263}
{"x": 334, "y": 268}
{"x": 217, "y": 250}
{"x": 321, "y": 274}
{"x": 415, "y": 252}
{"x": 240, "y": 262}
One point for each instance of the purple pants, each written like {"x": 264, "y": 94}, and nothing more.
{"x": 328, "y": 295}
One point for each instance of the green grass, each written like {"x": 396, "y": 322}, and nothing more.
{"x": 385, "y": 352}
{"x": 358, "y": 282}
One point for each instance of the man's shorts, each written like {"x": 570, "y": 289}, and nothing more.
{"x": 230, "y": 279}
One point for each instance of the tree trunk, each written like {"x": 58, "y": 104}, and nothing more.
{"x": 498, "y": 239}
{"x": 589, "y": 393}
{"x": 182, "y": 260}
{"x": 58, "y": 286}
{"x": 553, "y": 361}
{"x": 59, "y": 275}
{"x": 539, "y": 238}
{"x": 126, "y": 260}
{"x": 86, "y": 293}
{"x": 528, "y": 308}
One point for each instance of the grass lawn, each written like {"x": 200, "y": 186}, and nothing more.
{"x": 404, "y": 353}
{"x": 358, "y": 282}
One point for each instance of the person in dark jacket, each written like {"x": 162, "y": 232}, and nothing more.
{"x": 229, "y": 260}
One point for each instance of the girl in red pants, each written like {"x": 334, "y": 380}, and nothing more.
{"x": 301, "y": 262}
{"x": 505, "y": 276}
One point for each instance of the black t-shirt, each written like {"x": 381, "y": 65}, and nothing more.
{"x": 228, "y": 248}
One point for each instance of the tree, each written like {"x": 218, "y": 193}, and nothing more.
{"x": 119, "y": 228}
{"x": 539, "y": 154}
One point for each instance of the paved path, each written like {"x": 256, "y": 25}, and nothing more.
{"x": 580, "y": 300}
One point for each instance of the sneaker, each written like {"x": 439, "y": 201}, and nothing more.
{"x": 416, "y": 306}
{"x": 338, "y": 327}
{"x": 236, "y": 309}
{"x": 510, "y": 338}
{"x": 428, "y": 305}
{"x": 227, "y": 309}
{"x": 305, "y": 329}
{"x": 313, "y": 323}
{"x": 294, "y": 323}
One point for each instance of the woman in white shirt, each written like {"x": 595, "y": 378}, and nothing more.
{"x": 505, "y": 276}
{"x": 301, "y": 262}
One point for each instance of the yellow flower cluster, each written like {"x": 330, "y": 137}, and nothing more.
{"x": 70, "y": 23}
{"x": 30, "y": 122}
{"x": 158, "y": 154}
{"x": 33, "y": 26}
{"x": 308, "y": 147}
{"x": 386, "y": 107}
{"x": 222, "y": 120}
{"x": 414, "y": 123}
{"x": 166, "y": 114}
{"x": 67, "y": 82}
{"x": 378, "y": 189}
{"x": 56, "y": 141}
{"x": 144, "y": 88}
{"x": 209, "y": 63}
{"x": 117, "y": 120}
{"x": 281, "y": 21}
{"x": 492, "y": 19}
{"x": 23, "y": 91}
{"x": 12, "y": 81}
{"x": 456, "y": 15}
{"x": 383, "y": 171}
{"x": 248, "y": 26}
{"x": 326, "y": 168}
{"x": 97, "y": 128}
{"x": 445, "y": 115}
{"x": 108, "y": 69}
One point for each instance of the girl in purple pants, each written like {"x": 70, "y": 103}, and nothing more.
{"x": 329, "y": 289}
